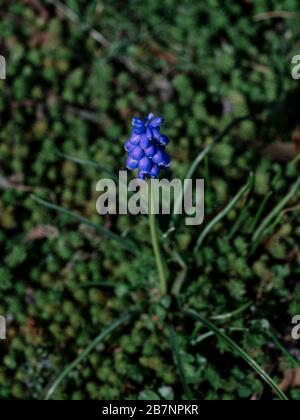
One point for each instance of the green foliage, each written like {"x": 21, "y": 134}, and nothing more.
{"x": 200, "y": 65}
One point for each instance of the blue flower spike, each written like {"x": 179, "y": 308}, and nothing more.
{"x": 146, "y": 147}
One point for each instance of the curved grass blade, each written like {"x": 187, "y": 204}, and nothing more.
{"x": 209, "y": 334}
{"x": 126, "y": 244}
{"x": 189, "y": 175}
{"x": 232, "y": 314}
{"x": 223, "y": 213}
{"x": 85, "y": 353}
{"x": 258, "y": 234}
{"x": 85, "y": 27}
{"x": 240, "y": 222}
{"x": 88, "y": 162}
{"x": 260, "y": 211}
{"x": 295, "y": 363}
{"x": 77, "y": 20}
{"x": 96, "y": 165}
{"x": 271, "y": 228}
{"x": 200, "y": 158}
{"x": 177, "y": 355}
{"x": 235, "y": 347}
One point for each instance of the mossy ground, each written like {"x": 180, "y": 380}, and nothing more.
{"x": 200, "y": 65}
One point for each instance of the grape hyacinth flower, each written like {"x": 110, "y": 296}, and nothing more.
{"x": 147, "y": 154}
{"x": 146, "y": 147}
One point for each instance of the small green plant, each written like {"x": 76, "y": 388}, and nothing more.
{"x": 75, "y": 73}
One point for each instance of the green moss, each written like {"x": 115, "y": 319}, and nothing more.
{"x": 60, "y": 287}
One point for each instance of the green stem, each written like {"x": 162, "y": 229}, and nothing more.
{"x": 235, "y": 347}
{"x": 155, "y": 244}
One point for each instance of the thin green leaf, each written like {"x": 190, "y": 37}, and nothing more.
{"x": 235, "y": 347}
{"x": 258, "y": 234}
{"x": 240, "y": 222}
{"x": 177, "y": 355}
{"x": 179, "y": 281}
{"x": 189, "y": 175}
{"x": 280, "y": 346}
{"x": 99, "y": 166}
{"x": 272, "y": 227}
{"x": 232, "y": 314}
{"x": 209, "y": 334}
{"x": 200, "y": 158}
{"x": 87, "y": 162}
{"x": 126, "y": 244}
{"x": 260, "y": 211}
{"x": 223, "y": 213}
{"x": 85, "y": 353}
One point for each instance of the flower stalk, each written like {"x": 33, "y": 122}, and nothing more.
{"x": 161, "y": 268}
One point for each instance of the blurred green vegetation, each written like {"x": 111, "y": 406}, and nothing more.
{"x": 75, "y": 77}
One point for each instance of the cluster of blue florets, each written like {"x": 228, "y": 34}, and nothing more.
{"x": 146, "y": 147}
